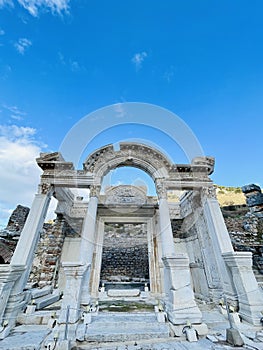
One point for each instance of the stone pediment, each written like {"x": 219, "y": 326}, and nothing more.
{"x": 125, "y": 195}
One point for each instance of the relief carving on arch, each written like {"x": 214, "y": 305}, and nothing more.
{"x": 125, "y": 194}
{"x": 138, "y": 155}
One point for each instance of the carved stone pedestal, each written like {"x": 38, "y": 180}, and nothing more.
{"x": 11, "y": 303}
{"x": 250, "y": 298}
{"x": 70, "y": 308}
{"x": 179, "y": 304}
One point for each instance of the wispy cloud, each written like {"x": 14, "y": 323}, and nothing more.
{"x": 138, "y": 59}
{"x": 35, "y": 6}
{"x": 55, "y": 6}
{"x": 19, "y": 174}
{"x": 73, "y": 65}
{"x": 16, "y": 113}
{"x": 14, "y": 132}
{"x": 169, "y": 74}
{"x": 6, "y": 3}
{"x": 22, "y": 44}
{"x": 2, "y": 32}
{"x": 61, "y": 58}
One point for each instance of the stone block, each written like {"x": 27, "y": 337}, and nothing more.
{"x": 87, "y": 318}
{"x": 37, "y": 292}
{"x": 47, "y": 300}
{"x": 212, "y": 338}
{"x": 160, "y": 317}
{"x": 30, "y": 309}
{"x": 233, "y": 337}
{"x": 234, "y": 317}
{"x": 63, "y": 345}
{"x": 191, "y": 334}
{"x": 123, "y": 293}
{"x": 201, "y": 329}
{"x": 177, "y": 330}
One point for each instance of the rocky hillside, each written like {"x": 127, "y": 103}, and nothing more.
{"x": 230, "y": 195}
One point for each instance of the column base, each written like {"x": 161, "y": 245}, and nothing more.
{"x": 182, "y": 314}
{"x": 250, "y": 298}
{"x": 179, "y": 302}
{"x": 70, "y": 308}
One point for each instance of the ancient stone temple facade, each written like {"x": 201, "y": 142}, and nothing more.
{"x": 183, "y": 248}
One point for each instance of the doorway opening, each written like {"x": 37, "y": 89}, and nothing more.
{"x": 125, "y": 261}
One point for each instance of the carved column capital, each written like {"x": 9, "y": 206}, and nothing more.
{"x": 44, "y": 188}
{"x": 208, "y": 192}
{"x": 161, "y": 189}
{"x": 95, "y": 190}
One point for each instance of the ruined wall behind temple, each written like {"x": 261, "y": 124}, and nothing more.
{"x": 125, "y": 253}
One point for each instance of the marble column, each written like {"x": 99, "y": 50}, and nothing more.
{"x": 96, "y": 267}
{"x": 179, "y": 296}
{"x": 250, "y": 298}
{"x": 71, "y": 298}
{"x": 88, "y": 241}
{"x": 220, "y": 238}
{"x": 26, "y": 246}
{"x": 21, "y": 262}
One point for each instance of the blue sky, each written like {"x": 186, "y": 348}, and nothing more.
{"x": 61, "y": 60}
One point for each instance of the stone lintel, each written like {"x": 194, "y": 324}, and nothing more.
{"x": 145, "y": 210}
{"x": 188, "y": 184}
{"x": 58, "y": 165}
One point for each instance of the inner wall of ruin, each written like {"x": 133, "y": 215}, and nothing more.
{"x": 125, "y": 253}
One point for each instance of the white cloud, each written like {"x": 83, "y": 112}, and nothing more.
{"x": 22, "y": 45}
{"x": 19, "y": 174}
{"x": 138, "y": 59}
{"x": 55, "y": 6}
{"x": 34, "y": 6}
{"x": 2, "y": 32}
{"x": 169, "y": 74}
{"x": 75, "y": 67}
{"x": 16, "y": 113}
{"x": 6, "y": 3}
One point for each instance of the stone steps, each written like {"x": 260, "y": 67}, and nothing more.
{"x": 40, "y": 292}
{"x": 123, "y": 327}
{"x": 46, "y": 300}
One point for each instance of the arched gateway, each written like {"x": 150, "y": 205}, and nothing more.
{"x": 195, "y": 262}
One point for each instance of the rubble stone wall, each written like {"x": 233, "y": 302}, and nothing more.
{"x": 125, "y": 254}
{"x": 47, "y": 257}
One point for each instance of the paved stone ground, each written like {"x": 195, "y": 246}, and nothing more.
{"x": 33, "y": 337}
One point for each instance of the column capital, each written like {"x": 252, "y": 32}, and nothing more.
{"x": 161, "y": 189}
{"x": 95, "y": 190}
{"x": 44, "y": 188}
{"x": 208, "y": 192}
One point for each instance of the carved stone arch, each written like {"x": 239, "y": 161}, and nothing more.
{"x": 140, "y": 156}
